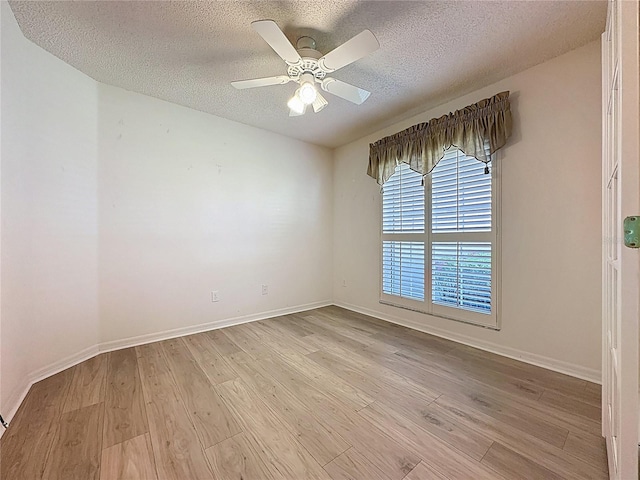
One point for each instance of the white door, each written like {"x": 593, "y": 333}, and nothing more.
{"x": 621, "y": 265}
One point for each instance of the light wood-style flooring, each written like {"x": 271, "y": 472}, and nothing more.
{"x": 324, "y": 394}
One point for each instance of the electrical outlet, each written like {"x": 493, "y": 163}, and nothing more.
{"x": 265, "y": 289}
{"x": 215, "y": 296}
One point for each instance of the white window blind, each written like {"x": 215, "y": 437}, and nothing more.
{"x": 403, "y": 269}
{"x": 403, "y": 201}
{"x": 439, "y": 240}
{"x": 460, "y": 195}
{"x": 461, "y": 275}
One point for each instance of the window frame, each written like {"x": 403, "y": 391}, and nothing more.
{"x": 491, "y": 320}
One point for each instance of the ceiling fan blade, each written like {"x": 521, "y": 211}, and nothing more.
{"x": 345, "y": 90}
{"x": 359, "y": 46}
{"x": 269, "y": 30}
{"x": 261, "y": 82}
{"x": 319, "y": 103}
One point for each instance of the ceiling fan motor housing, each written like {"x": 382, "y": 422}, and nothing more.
{"x": 307, "y": 65}
{"x": 306, "y": 47}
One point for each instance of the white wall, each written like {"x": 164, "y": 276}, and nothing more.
{"x": 121, "y": 213}
{"x": 191, "y": 203}
{"x": 49, "y": 298}
{"x": 551, "y": 230}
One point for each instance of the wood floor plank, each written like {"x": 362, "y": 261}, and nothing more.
{"x": 352, "y": 465}
{"x": 221, "y": 343}
{"x": 364, "y": 322}
{"x": 548, "y": 456}
{"x": 455, "y": 370}
{"x": 383, "y": 383}
{"x": 441, "y": 456}
{"x": 588, "y": 448}
{"x": 300, "y": 341}
{"x": 400, "y": 366}
{"x": 331, "y": 334}
{"x": 329, "y": 382}
{"x": 322, "y": 443}
{"x": 292, "y": 323}
{"x": 25, "y": 446}
{"x": 88, "y": 384}
{"x": 424, "y": 472}
{"x": 212, "y": 419}
{"x": 372, "y": 386}
{"x": 570, "y": 404}
{"x": 530, "y": 416}
{"x": 519, "y": 370}
{"x": 408, "y": 341}
{"x": 342, "y": 318}
{"x": 448, "y": 429}
{"x": 76, "y": 451}
{"x": 125, "y": 415}
{"x": 176, "y": 448}
{"x": 281, "y": 341}
{"x": 445, "y": 344}
{"x": 381, "y": 450}
{"x": 236, "y": 458}
{"x": 286, "y": 457}
{"x": 351, "y": 330}
{"x": 129, "y": 460}
{"x": 514, "y": 466}
{"x": 375, "y": 326}
{"x": 323, "y": 325}
{"x": 372, "y": 322}
{"x": 248, "y": 341}
{"x": 212, "y": 364}
{"x": 404, "y": 399}
{"x": 510, "y": 413}
{"x": 592, "y": 394}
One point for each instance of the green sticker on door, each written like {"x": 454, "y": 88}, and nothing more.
{"x": 632, "y": 232}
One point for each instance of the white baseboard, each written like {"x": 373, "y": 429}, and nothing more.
{"x": 63, "y": 364}
{"x": 578, "y": 371}
{"x": 14, "y": 401}
{"x": 20, "y": 393}
{"x": 18, "y": 397}
{"x": 205, "y": 327}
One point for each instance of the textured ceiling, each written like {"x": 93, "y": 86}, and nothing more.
{"x": 189, "y": 52}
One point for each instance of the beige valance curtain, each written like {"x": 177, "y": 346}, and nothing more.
{"x": 422, "y": 146}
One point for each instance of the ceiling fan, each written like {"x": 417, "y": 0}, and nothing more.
{"x": 309, "y": 68}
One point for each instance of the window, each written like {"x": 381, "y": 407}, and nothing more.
{"x": 439, "y": 240}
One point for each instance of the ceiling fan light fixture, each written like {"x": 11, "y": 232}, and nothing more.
{"x": 319, "y": 103}
{"x": 307, "y": 93}
{"x": 296, "y": 104}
